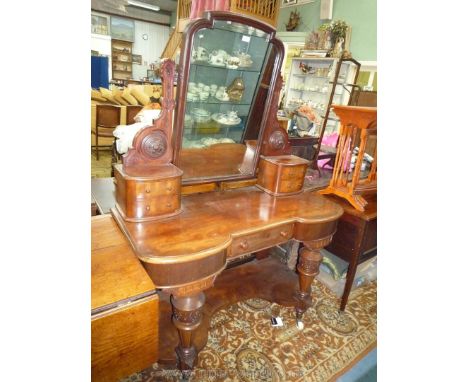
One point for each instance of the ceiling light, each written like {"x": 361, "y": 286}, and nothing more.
{"x": 143, "y": 5}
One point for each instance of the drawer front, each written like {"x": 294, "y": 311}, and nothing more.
{"x": 145, "y": 190}
{"x": 291, "y": 185}
{"x": 261, "y": 240}
{"x": 155, "y": 206}
{"x": 293, "y": 173}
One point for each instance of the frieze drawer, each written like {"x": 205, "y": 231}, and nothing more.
{"x": 261, "y": 240}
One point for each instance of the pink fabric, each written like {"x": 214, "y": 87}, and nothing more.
{"x": 331, "y": 141}
{"x": 200, "y": 6}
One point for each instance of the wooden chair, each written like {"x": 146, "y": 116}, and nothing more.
{"x": 132, "y": 111}
{"x": 107, "y": 119}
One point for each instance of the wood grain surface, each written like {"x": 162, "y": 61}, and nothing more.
{"x": 116, "y": 273}
{"x": 196, "y": 243}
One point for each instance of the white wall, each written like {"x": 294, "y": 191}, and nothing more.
{"x": 103, "y": 45}
{"x": 150, "y": 49}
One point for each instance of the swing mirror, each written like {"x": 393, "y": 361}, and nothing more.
{"x": 225, "y": 71}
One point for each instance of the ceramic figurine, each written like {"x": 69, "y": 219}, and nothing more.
{"x": 236, "y": 89}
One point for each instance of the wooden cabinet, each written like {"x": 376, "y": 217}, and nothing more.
{"x": 121, "y": 60}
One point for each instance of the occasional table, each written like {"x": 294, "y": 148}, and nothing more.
{"x": 355, "y": 240}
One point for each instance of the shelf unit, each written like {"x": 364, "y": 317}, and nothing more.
{"x": 326, "y": 81}
{"x": 121, "y": 59}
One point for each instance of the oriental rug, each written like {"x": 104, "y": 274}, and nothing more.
{"x": 243, "y": 345}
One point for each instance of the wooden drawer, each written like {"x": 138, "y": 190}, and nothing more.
{"x": 281, "y": 175}
{"x": 288, "y": 186}
{"x": 261, "y": 240}
{"x": 154, "y": 206}
{"x": 144, "y": 190}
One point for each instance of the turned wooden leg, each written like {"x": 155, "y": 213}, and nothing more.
{"x": 187, "y": 317}
{"x": 308, "y": 267}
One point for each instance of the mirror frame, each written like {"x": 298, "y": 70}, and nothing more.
{"x": 280, "y": 140}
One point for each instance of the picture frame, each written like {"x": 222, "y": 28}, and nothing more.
{"x": 122, "y": 29}
{"x": 136, "y": 59}
{"x": 99, "y": 24}
{"x": 288, "y": 3}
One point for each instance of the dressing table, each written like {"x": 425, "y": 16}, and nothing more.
{"x": 189, "y": 205}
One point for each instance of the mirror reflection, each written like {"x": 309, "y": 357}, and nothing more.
{"x": 226, "y": 65}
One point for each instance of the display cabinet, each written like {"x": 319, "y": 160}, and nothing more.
{"x": 312, "y": 81}
{"x": 121, "y": 60}
{"x": 230, "y": 68}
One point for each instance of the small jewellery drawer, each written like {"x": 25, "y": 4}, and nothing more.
{"x": 144, "y": 190}
{"x": 155, "y": 206}
{"x": 261, "y": 240}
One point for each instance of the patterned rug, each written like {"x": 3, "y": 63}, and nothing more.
{"x": 243, "y": 345}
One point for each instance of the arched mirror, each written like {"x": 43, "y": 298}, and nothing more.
{"x": 229, "y": 69}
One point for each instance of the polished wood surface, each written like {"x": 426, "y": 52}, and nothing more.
{"x": 124, "y": 306}
{"x": 152, "y": 194}
{"x": 208, "y": 221}
{"x": 116, "y": 273}
{"x": 282, "y": 175}
{"x": 358, "y": 124}
{"x": 124, "y": 340}
{"x": 355, "y": 240}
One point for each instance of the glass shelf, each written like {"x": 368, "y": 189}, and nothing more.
{"x": 311, "y": 91}
{"x": 239, "y": 69}
{"x": 310, "y": 76}
{"x": 216, "y": 102}
{"x": 225, "y": 42}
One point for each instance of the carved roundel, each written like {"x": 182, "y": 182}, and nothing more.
{"x": 154, "y": 145}
{"x": 277, "y": 140}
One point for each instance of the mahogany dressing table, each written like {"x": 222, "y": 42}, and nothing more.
{"x": 185, "y": 242}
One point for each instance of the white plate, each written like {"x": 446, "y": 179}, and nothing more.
{"x": 217, "y": 118}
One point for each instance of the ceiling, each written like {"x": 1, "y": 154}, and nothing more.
{"x": 118, "y": 7}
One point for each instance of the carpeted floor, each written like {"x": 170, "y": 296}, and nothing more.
{"x": 101, "y": 168}
{"x": 243, "y": 345}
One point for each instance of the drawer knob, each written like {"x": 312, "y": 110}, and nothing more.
{"x": 148, "y": 190}
{"x": 169, "y": 188}
{"x": 169, "y": 205}
{"x": 243, "y": 244}
{"x": 147, "y": 208}
{"x": 284, "y": 233}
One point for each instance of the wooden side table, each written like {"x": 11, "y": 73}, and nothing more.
{"x": 355, "y": 240}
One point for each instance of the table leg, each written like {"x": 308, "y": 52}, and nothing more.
{"x": 352, "y": 267}
{"x": 307, "y": 267}
{"x": 187, "y": 317}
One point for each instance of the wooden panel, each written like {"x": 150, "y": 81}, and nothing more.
{"x": 105, "y": 232}
{"x": 116, "y": 273}
{"x": 370, "y": 240}
{"x": 196, "y": 188}
{"x": 124, "y": 340}
{"x": 261, "y": 240}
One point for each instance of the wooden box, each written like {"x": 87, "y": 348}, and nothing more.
{"x": 124, "y": 306}
{"x": 281, "y": 175}
{"x": 151, "y": 196}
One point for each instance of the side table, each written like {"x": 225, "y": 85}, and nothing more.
{"x": 355, "y": 240}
